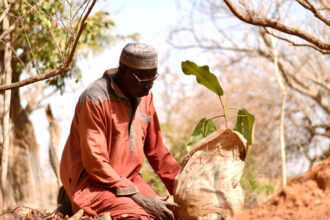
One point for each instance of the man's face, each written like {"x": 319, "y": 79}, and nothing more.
{"x": 140, "y": 81}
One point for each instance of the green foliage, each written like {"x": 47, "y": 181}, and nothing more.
{"x": 251, "y": 185}
{"x": 203, "y": 76}
{"x": 95, "y": 34}
{"x": 48, "y": 31}
{"x": 152, "y": 179}
{"x": 203, "y": 129}
{"x": 245, "y": 120}
{"x": 245, "y": 125}
{"x": 175, "y": 135}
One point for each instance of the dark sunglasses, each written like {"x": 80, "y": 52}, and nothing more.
{"x": 145, "y": 81}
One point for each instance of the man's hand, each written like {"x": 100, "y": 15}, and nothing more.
{"x": 155, "y": 206}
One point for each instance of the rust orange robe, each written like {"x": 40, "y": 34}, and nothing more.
{"x": 103, "y": 155}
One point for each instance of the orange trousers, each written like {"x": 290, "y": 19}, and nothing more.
{"x": 101, "y": 200}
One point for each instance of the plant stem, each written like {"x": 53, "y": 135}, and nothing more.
{"x": 224, "y": 111}
{"x": 236, "y": 117}
{"x": 219, "y": 116}
{"x": 204, "y": 130}
{"x": 232, "y": 108}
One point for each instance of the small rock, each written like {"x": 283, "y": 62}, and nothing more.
{"x": 106, "y": 216}
{"x": 78, "y": 215}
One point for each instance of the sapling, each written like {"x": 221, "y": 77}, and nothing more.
{"x": 244, "y": 120}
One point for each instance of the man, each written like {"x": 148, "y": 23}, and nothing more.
{"x": 114, "y": 126}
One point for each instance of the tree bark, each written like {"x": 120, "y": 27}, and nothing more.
{"x": 282, "y": 116}
{"x": 55, "y": 134}
{"x": 6, "y": 119}
{"x": 24, "y": 161}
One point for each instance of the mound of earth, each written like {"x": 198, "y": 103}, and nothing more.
{"x": 306, "y": 197}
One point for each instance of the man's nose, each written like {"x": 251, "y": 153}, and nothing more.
{"x": 149, "y": 85}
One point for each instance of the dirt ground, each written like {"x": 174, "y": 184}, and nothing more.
{"x": 306, "y": 197}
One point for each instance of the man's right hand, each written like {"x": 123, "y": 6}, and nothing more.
{"x": 155, "y": 206}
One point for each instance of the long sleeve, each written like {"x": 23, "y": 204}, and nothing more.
{"x": 95, "y": 149}
{"x": 157, "y": 154}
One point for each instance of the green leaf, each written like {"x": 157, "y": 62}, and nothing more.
{"x": 203, "y": 76}
{"x": 203, "y": 129}
{"x": 245, "y": 125}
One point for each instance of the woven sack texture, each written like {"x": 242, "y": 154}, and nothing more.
{"x": 208, "y": 185}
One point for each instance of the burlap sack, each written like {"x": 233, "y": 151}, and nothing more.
{"x": 208, "y": 185}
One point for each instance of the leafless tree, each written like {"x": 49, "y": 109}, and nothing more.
{"x": 254, "y": 13}
{"x": 215, "y": 30}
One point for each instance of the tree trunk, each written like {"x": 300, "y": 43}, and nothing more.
{"x": 24, "y": 165}
{"x": 282, "y": 117}
{"x": 55, "y": 135}
{"x": 5, "y": 121}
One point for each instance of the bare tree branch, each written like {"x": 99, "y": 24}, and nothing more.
{"x": 324, "y": 85}
{"x": 309, "y": 6}
{"x": 57, "y": 71}
{"x": 265, "y": 22}
{"x": 31, "y": 95}
{"x": 5, "y": 12}
{"x": 62, "y": 68}
{"x": 27, "y": 68}
{"x": 312, "y": 128}
{"x": 12, "y": 27}
{"x": 32, "y": 53}
{"x": 50, "y": 31}
{"x": 298, "y": 45}
{"x": 209, "y": 47}
{"x": 291, "y": 79}
{"x": 300, "y": 89}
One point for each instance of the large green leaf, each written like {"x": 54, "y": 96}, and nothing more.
{"x": 203, "y": 76}
{"x": 202, "y": 130}
{"x": 245, "y": 125}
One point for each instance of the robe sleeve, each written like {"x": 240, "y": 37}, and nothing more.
{"x": 94, "y": 150}
{"x": 157, "y": 154}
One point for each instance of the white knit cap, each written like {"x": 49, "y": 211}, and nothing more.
{"x": 139, "y": 56}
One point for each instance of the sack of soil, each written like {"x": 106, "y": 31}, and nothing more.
{"x": 208, "y": 185}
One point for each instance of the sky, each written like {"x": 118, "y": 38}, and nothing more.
{"x": 150, "y": 18}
